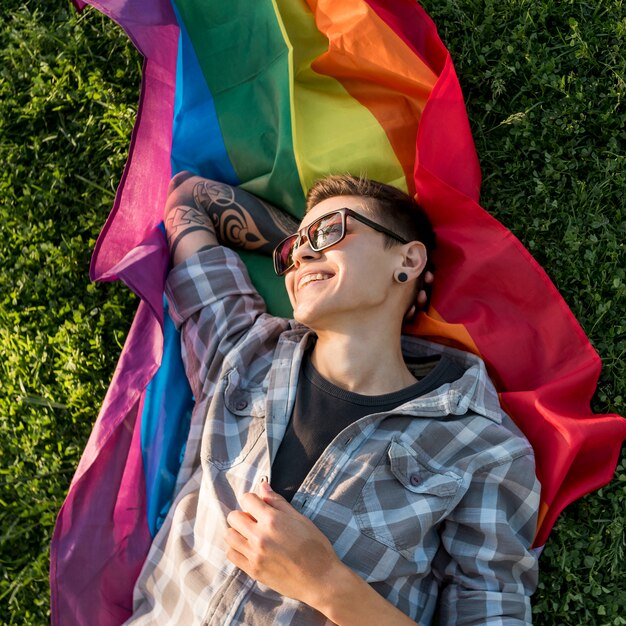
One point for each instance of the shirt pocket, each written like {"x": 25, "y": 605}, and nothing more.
{"x": 237, "y": 422}
{"x": 404, "y": 499}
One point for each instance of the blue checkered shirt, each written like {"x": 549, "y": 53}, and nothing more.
{"x": 434, "y": 504}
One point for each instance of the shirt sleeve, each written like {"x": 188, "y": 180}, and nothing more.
{"x": 488, "y": 570}
{"x": 213, "y": 303}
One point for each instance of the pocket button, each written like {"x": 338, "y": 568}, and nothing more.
{"x": 241, "y": 404}
{"x": 415, "y": 480}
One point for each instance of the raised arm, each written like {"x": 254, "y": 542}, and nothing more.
{"x": 200, "y": 212}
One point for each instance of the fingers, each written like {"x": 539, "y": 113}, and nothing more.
{"x": 261, "y": 519}
{"x": 178, "y": 180}
{"x": 238, "y": 559}
{"x": 420, "y": 303}
{"x": 252, "y": 504}
{"x": 257, "y": 512}
{"x": 274, "y": 499}
{"x": 242, "y": 522}
{"x": 236, "y": 541}
{"x": 428, "y": 279}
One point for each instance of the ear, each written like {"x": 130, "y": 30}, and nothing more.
{"x": 414, "y": 259}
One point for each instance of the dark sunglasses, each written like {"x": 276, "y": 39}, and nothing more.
{"x": 324, "y": 232}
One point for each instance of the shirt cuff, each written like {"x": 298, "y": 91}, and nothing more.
{"x": 203, "y": 279}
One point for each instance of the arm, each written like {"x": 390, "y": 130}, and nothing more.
{"x": 485, "y": 565}
{"x": 200, "y": 212}
{"x": 276, "y": 545}
{"x": 211, "y": 297}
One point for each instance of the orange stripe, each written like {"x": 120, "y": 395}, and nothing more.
{"x": 432, "y": 326}
{"x": 544, "y": 507}
{"x": 378, "y": 69}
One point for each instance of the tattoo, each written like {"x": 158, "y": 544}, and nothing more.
{"x": 256, "y": 226}
{"x": 233, "y": 224}
{"x": 207, "y": 193}
{"x": 181, "y": 221}
{"x": 287, "y": 224}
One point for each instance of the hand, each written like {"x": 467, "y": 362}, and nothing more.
{"x": 279, "y": 547}
{"x": 422, "y": 297}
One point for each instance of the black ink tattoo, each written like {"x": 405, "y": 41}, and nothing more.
{"x": 241, "y": 220}
{"x": 287, "y": 224}
{"x": 183, "y": 220}
{"x": 208, "y": 193}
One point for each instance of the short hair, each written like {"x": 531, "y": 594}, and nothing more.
{"x": 395, "y": 209}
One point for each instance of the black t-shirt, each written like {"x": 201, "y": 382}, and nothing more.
{"x": 322, "y": 410}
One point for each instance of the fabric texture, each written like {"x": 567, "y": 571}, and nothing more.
{"x": 440, "y": 491}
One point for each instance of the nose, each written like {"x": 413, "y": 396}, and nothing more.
{"x": 304, "y": 252}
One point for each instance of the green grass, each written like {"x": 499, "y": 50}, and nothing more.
{"x": 68, "y": 94}
{"x": 544, "y": 85}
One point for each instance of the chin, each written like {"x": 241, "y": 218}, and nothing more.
{"x": 307, "y": 315}
{"x": 302, "y": 318}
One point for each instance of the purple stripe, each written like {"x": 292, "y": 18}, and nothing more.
{"x": 142, "y": 191}
{"x": 101, "y": 537}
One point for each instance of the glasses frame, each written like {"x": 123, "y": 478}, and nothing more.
{"x": 303, "y": 233}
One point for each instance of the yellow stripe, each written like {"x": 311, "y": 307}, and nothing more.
{"x": 294, "y": 129}
{"x": 332, "y": 132}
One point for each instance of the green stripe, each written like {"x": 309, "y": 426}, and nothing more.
{"x": 232, "y": 40}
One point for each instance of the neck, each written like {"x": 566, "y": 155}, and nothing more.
{"x": 365, "y": 361}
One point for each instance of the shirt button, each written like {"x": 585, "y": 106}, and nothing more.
{"x": 415, "y": 479}
{"x": 241, "y": 404}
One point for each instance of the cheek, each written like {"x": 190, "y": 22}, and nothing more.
{"x": 378, "y": 287}
{"x": 289, "y": 284}
{"x": 374, "y": 273}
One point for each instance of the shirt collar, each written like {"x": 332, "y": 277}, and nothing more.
{"x": 473, "y": 391}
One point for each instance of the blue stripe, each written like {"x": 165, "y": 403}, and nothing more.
{"x": 197, "y": 146}
{"x": 197, "y": 142}
{"x": 165, "y": 421}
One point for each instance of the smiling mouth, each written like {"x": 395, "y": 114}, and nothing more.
{"x": 312, "y": 278}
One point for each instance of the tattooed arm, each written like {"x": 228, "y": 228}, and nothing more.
{"x": 200, "y": 212}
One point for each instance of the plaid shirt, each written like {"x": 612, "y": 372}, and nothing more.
{"x": 434, "y": 504}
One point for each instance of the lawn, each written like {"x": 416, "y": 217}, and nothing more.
{"x": 545, "y": 92}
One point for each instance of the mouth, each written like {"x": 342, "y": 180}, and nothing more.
{"x": 307, "y": 279}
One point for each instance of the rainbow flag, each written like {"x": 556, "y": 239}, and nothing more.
{"x": 270, "y": 95}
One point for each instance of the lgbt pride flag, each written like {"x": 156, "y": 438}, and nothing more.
{"x": 270, "y": 95}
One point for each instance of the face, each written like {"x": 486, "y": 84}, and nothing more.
{"x": 344, "y": 283}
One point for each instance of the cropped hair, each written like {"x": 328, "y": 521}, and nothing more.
{"x": 392, "y": 207}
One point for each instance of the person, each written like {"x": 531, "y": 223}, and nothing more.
{"x": 336, "y": 471}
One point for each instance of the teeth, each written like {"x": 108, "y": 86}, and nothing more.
{"x": 309, "y": 278}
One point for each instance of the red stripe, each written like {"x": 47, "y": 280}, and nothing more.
{"x": 413, "y": 25}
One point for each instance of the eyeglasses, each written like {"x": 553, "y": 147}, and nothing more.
{"x": 324, "y": 232}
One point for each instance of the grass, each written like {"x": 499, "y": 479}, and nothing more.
{"x": 544, "y": 85}
{"x": 68, "y": 93}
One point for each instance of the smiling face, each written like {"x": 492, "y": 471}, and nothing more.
{"x": 351, "y": 281}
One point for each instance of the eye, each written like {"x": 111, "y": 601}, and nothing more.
{"x": 326, "y": 231}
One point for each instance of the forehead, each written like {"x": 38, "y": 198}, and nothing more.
{"x": 356, "y": 203}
